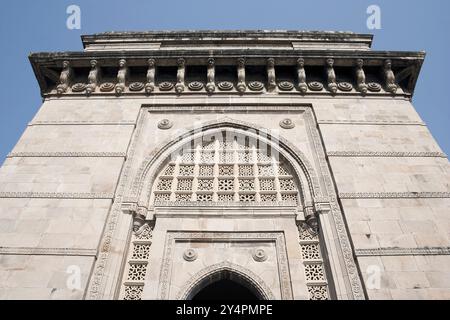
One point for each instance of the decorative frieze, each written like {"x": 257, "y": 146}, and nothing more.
{"x": 58, "y": 195}
{"x": 435, "y": 154}
{"x": 423, "y": 251}
{"x": 48, "y": 251}
{"x": 392, "y": 195}
{"x": 373, "y": 122}
{"x": 67, "y": 154}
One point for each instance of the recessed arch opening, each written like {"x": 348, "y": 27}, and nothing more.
{"x": 225, "y": 285}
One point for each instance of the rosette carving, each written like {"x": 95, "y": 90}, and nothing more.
{"x": 79, "y": 87}
{"x": 255, "y": 85}
{"x": 345, "y": 86}
{"x": 315, "y": 86}
{"x": 285, "y": 85}
{"x": 374, "y": 87}
{"x": 225, "y": 85}
{"x": 107, "y": 87}
{"x": 195, "y": 86}
{"x": 136, "y": 86}
{"x": 165, "y": 86}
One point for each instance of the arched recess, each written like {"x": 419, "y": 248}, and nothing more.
{"x": 144, "y": 181}
{"x": 216, "y": 272}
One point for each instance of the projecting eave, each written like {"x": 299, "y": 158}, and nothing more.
{"x": 406, "y": 65}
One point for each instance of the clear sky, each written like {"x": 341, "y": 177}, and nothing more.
{"x": 33, "y": 26}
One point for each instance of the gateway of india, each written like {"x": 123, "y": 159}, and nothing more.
{"x": 226, "y": 164}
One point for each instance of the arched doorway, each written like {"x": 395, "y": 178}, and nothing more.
{"x": 225, "y": 285}
{"x": 225, "y": 289}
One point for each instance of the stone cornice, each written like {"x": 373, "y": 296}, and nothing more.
{"x": 48, "y": 68}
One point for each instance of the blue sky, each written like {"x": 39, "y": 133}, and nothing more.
{"x": 33, "y": 26}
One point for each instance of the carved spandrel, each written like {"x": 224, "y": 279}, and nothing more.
{"x": 151, "y": 73}
{"x": 64, "y": 78}
{"x": 331, "y": 76}
{"x": 93, "y": 77}
{"x": 179, "y": 87}
{"x": 210, "y": 76}
{"x": 301, "y": 75}
{"x": 241, "y": 87}
{"x": 360, "y": 77}
{"x": 271, "y": 78}
{"x": 122, "y": 76}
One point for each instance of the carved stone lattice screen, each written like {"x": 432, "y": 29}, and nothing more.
{"x": 136, "y": 268}
{"x": 313, "y": 263}
{"x": 226, "y": 171}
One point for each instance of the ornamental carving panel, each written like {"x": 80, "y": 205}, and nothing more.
{"x": 235, "y": 170}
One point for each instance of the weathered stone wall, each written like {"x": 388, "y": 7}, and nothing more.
{"x": 58, "y": 185}
{"x": 56, "y": 191}
{"x": 390, "y": 174}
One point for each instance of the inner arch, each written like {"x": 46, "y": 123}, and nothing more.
{"x": 224, "y": 285}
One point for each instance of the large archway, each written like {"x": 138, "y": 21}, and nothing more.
{"x": 225, "y": 285}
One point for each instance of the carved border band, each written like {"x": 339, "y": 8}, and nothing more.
{"x": 48, "y": 251}
{"x": 385, "y": 154}
{"x": 243, "y": 107}
{"x": 425, "y": 251}
{"x": 392, "y": 195}
{"x": 374, "y": 122}
{"x": 86, "y": 122}
{"x": 343, "y": 237}
{"x": 58, "y": 195}
{"x": 68, "y": 154}
{"x": 278, "y": 237}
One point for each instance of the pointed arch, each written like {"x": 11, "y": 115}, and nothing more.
{"x": 154, "y": 162}
{"x": 206, "y": 276}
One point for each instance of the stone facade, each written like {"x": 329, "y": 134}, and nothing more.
{"x": 291, "y": 162}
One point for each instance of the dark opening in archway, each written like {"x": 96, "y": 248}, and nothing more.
{"x": 225, "y": 289}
